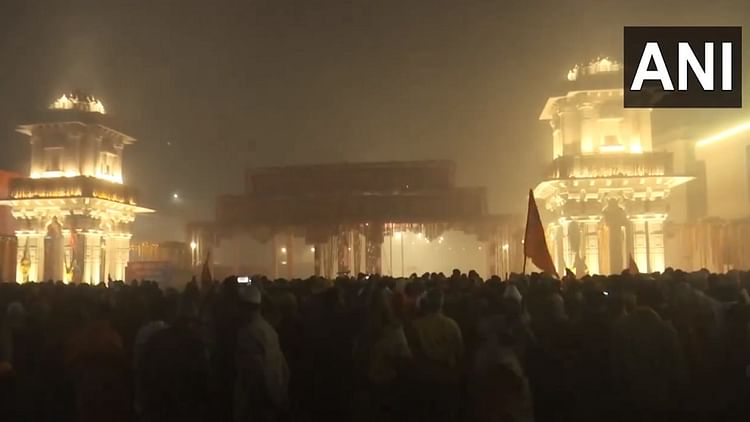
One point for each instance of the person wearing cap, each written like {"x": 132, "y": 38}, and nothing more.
{"x": 261, "y": 386}
{"x": 438, "y": 349}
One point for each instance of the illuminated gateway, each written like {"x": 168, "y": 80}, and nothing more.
{"x": 73, "y": 213}
{"x": 606, "y": 189}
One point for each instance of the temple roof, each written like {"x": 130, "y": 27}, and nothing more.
{"x": 78, "y": 100}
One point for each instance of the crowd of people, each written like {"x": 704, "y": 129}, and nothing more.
{"x": 369, "y": 348}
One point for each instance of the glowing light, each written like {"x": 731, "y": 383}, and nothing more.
{"x": 507, "y": 246}
{"x": 283, "y": 249}
{"x": 193, "y": 245}
{"x": 283, "y": 262}
{"x": 108, "y": 177}
{"x": 175, "y": 195}
{"x": 724, "y": 135}
{"x": 612, "y": 148}
{"x": 600, "y": 65}
{"x": 312, "y": 249}
{"x": 636, "y": 148}
{"x": 397, "y": 235}
{"x": 82, "y": 103}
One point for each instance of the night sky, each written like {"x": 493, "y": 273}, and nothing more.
{"x": 211, "y": 88}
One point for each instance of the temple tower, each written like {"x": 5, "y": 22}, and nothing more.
{"x": 607, "y": 188}
{"x": 73, "y": 212}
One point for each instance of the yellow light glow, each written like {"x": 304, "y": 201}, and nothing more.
{"x": 724, "y": 135}
{"x": 72, "y": 101}
{"x": 109, "y": 177}
{"x": 283, "y": 249}
{"x": 612, "y": 148}
{"x": 193, "y": 245}
{"x": 507, "y": 246}
{"x": 636, "y": 148}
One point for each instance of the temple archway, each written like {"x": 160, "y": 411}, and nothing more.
{"x": 54, "y": 251}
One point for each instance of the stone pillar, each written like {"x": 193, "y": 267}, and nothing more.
{"x": 344, "y": 252}
{"x": 290, "y": 256}
{"x": 357, "y": 251}
{"x": 374, "y": 248}
{"x": 92, "y": 257}
{"x": 655, "y": 245}
{"x": 492, "y": 264}
{"x": 591, "y": 246}
{"x": 640, "y": 244}
{"x": 30, "y": 257}
{"x": 318, "y": 258}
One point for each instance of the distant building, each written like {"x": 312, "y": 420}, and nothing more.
{"x": 393, "y": 218}
{"x": 177, "y": 254}
{"x": 73, "y": 212}
{"x": 168, "y": 263}
{"x": 714, "y": 231}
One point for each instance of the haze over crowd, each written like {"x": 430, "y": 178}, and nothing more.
{"x": 211, "y": 88}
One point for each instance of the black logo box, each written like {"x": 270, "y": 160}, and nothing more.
{"x": 652, "y": 94}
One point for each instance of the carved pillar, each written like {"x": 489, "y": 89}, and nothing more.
{"x": 591, "y": 246}
{"x": 357, "y": 251}
{"x": 617, "y": 222}
{"x": 344, "y": 252}
{"x": 373, "y": 249}
{"x": 92, "y": 255}
{"x": 492, "y": 255}
{"x": 655, "y": 245}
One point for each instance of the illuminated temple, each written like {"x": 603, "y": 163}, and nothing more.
{"x": 607, "y": 191}
{"x": 73, "y": 213}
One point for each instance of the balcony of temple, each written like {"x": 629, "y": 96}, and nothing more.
{"x": 611, "y": 165}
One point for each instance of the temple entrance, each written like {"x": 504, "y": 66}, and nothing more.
{"x": 616, "y": 221}
{"x": 53, "y": 252}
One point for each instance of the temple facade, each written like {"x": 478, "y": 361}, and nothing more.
{"x": 73, "y": 212}
{"x": 393, "y": 218}
{"x": 606, "y": 190}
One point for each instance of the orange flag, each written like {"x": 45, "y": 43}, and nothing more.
{"x": 632, "y": 266}
{"x": 534, "y": 241}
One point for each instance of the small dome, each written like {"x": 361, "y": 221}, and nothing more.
{"x": 78, "y": 101}
{"x": 599, "y": 65}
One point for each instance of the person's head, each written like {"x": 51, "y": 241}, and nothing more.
{"x": 250, "y": 298}
{"x": 15, "y": 314}
{"x": 432, "y": 302}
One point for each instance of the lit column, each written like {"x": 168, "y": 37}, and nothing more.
{"x": 506, "y": 260}
{"x": 318, "y": 258}
{"x": 290, "y": 256}
{"x": 640, "y": 245}
{"x": 30, "y": 257}
{"x": 91, "y": 259}
{"x": 492, "y": 264}
{"x": 193, "y": 254}
{"x": 68, "y": 255}
{"x": 357, "y": 251}
{"x": 591, "y": 247}
{"x": 655, "y": 245}
{"x": 344, "y": 252}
